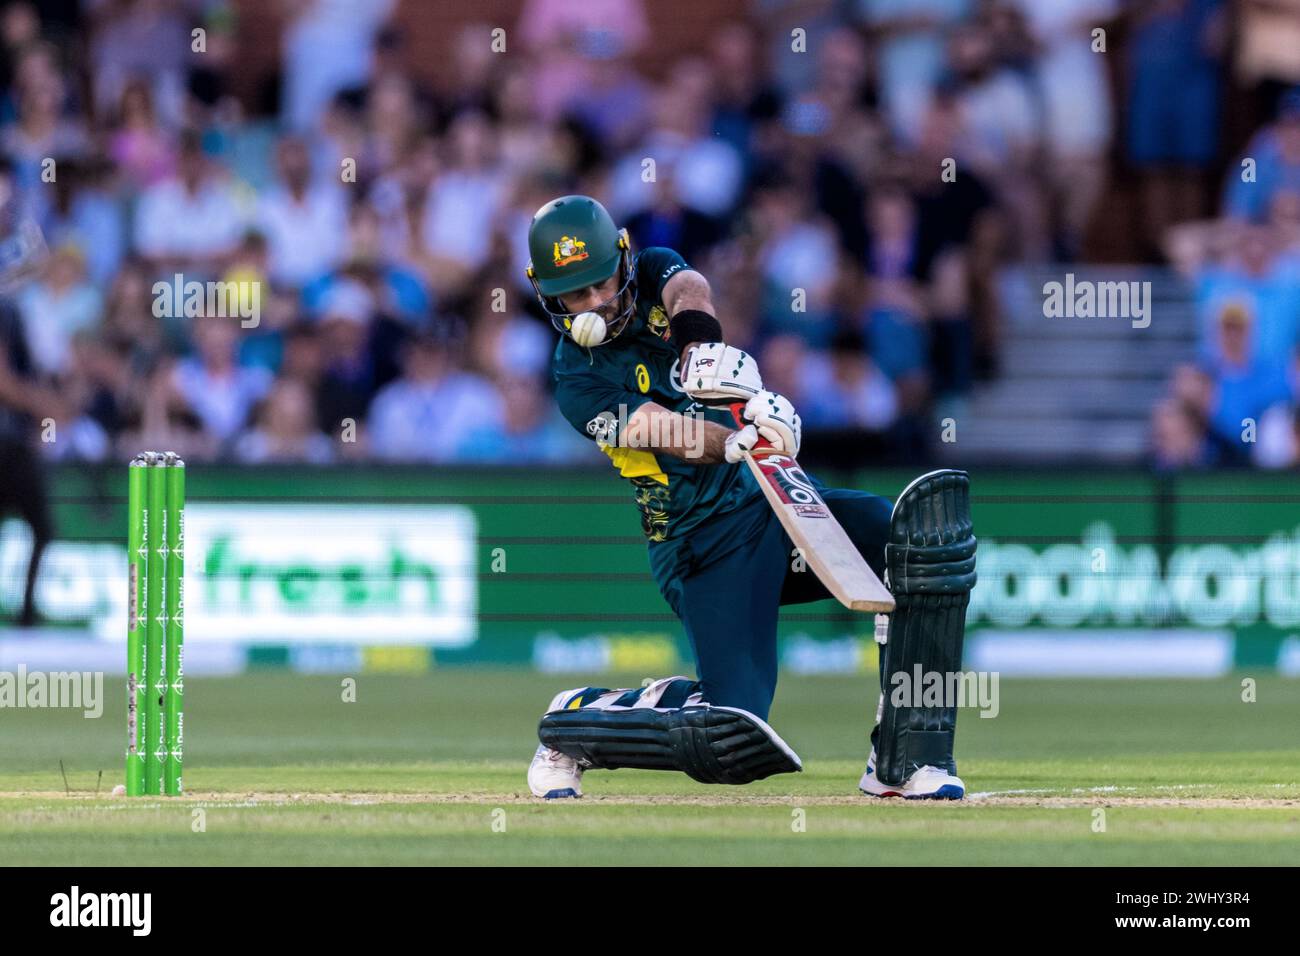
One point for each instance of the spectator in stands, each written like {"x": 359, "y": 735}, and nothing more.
{"x": 514, "y": 347}
{"x": 85, "y": 213}
{"x": 668, "y": 222}
{"x": 615, "y": 106}
{"x": 1074, "y": 92}
{"x": 462, "y": 203}
{"x": 1001, "y": 136}
{"x": 1177, "y": 437}
{"x": 521, "y": 138}
{"x": 55, "y": 308}
{"x": 20, "y": 29}
{"x": 302, "y": 357}
{"x": 1174, "y": 73}
{"x": 893, "y": 320}
{"x": 304, "y": 360}
{"x": 855, "y": 137}
{"x": 399, "y": 198}
{"x": 792, "y": 68}
{"x": 1284, "y": 217}
{"x": 285, "y": 431}
{"x": 1240, "y": 265}
{"x": 784, "y": 360}
{"x": 130, "y": 326}
{"x": 140, "y": 41}
{"x": 327, "y": 48}
{"x": 745, "y": 103}
{"x": 959, "y": 241}
{"x": 42, "y": 131}
{"x": 396, "y": 286}
{"x": 475, "y": 69}
{"x": 803, "y": 151}
{"x": 219, "y": 391}
{"x": 304, "y": 219}
{"x": 394, "y": 119}
{"x": 850, "y": 391}
{"x": 211, "y": 102}
{"x": 190, "y": 221}
{"x": 347, "y": 377}
{"x": 798, "y": 257}
{"x": 700, "y": 171}
{"x": 341, "y": 141}
{"x": 1245, "y": 381}
{"x": 1275, "y": 153}
{"x": 564, "y": 38}
{"x": 160, "y": 417}
{"x": 891, "y": 220}
{"x": 429, "y": 413}
{"x": 533, "y": 432}
{"x": 1222, "y": 399}
{"x": 260, "y": 344}
{"x": 96, "y": 385}
{"x": 143, "y": 150}
{"x": 910, "y": 57}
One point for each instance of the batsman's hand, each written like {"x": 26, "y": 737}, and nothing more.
{"x": 714, "y": 373}
{"x": 773, "y": 419}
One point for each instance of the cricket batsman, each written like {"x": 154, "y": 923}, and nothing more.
{"x": 642, "y": 369}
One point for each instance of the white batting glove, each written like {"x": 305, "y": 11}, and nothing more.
{"x": 739, "y": 442}
{"x": 714, "y": 373}
{"x": 776, "y": 420}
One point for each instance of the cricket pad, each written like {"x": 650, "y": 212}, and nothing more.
{"x": 709, "y": 744}
{"x": 930, "y": 568}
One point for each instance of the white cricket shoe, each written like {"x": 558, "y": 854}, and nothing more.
{"x": 554, "y": 776}
{"x": 927, "y": 783}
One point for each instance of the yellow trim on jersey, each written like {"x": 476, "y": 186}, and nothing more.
{"x": 635, "y": 463}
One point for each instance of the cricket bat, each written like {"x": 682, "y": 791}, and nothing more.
{"x": 807, "y": 519}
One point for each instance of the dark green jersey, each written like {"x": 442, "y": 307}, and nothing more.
{"x": 598, "y": 390}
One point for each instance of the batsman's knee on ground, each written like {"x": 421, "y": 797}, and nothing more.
{"x": 666, "y": 726}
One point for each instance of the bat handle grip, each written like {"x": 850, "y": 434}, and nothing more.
{"x": 763, "y": 444}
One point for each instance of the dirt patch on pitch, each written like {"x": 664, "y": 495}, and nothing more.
{"x": 746, "y": 800}
{"x": 1191, "y": 803}
{"x": 264, "y": 799}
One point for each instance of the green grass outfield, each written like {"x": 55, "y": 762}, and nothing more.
{"x": 430, "y": 770}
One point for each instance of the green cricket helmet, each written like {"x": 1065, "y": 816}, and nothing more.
{"x": 572, "y": 244}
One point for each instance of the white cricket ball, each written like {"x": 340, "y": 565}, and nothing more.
{"x": 119, "y": 790}
{"x": 588, "y": 329}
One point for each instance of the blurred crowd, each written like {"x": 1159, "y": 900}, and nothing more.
{"x": 1238, "y": 403}
{"x": 849, "y": 175}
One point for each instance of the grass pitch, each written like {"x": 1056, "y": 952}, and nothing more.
{"x": 430, "y": 770}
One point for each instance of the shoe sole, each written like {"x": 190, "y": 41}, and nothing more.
{"x": 880, "y": 796}
{"x": 946, "y": 792}
{"x": 563, "y": 794}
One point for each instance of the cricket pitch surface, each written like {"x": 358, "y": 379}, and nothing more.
{"x": 429, "y": 770}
